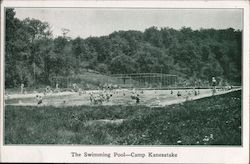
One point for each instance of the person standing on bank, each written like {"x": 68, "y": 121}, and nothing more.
{"x": 22, "y": 88}
{"x": 214, "y": 85}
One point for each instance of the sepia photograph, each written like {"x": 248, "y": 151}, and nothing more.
{"x": 123, "y": 76}
{"x": 112, "y": 82}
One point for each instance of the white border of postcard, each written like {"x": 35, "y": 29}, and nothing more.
{"x": 185, "y": 154}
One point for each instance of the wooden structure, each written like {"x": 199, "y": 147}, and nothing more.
{"x": 146, "y": 80}
{"x": 134, "y": 80}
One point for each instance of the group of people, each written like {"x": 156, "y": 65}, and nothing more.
{"x": 107, "y": 92}
{"x": 100, "y": 97}
{"x": 135, "y": 95}
{"x": 105, "y": 95}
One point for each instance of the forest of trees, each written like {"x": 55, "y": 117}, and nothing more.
{"x": 33, "y": 55}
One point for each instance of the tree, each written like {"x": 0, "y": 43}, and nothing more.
{"x": 153, "y": 35}
{"x": 122, "y": 64}
{"x": 11, "y": 76}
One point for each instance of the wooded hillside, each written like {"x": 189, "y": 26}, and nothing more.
{"x": 33, "y": 55}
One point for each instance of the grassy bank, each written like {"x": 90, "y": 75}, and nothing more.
{"x": 218, "y": 118}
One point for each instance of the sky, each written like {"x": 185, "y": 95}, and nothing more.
{"x": 85, "y": 22}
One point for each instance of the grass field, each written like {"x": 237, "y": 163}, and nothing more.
{"x": 209, "y": 121}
